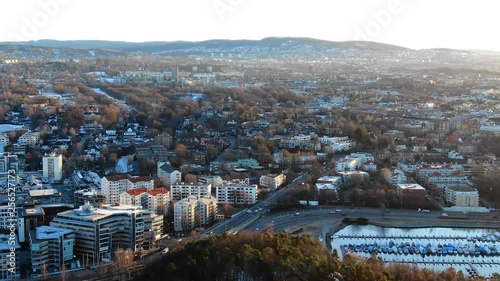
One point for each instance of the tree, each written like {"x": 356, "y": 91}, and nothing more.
{"x": 197, "y": 219}
{"x": 65, "y": 275}
{"x": 44, "y": 272}
{"x": 122, "y": 260}
{"x": 225, "y": 209}
{"x": 190, "y": 178}
{"x": 386, "y": 175}
{"x": 360, "y": 135}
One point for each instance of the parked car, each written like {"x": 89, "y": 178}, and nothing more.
{"x": 165, "y": 251}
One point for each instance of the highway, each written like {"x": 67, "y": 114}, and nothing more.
{"x": 252, "y": 213}
{"x": 282, "y": 221}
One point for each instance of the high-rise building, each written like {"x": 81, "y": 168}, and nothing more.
{"x": 51, "y": 247}
{"x": 52, "y": 167}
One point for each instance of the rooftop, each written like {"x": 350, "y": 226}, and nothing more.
{"x": 51, "y": 232}
{"x": 412, "y": 186}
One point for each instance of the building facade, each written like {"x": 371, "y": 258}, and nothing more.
{"x": 237, "y": 194}
{"x": 272, "y": 181}
{"x": 113, "y": 186}
{"x": 52, "y": 167}
{"x": 193, "y": 212}
{"x": 100, "y": 231}
{"x": 182, "y": 190}
{"x": 51, "y": 247}
{"x": 462, "y": 196}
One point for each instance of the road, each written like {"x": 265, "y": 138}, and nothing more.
{"x": 282, "y": 221}
{"x": 252, "y": 213}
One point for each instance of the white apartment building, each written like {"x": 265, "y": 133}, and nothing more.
{"x": 462, "y": 196}
{"x": 188, "y": 210}
{"x": 237, "y": 194}
{"x": 100, "y": 231}
{"x": 272, "y": 181}
{"x": 364, "y": 156}
{"x": 443, "y": 181}
{"x": 51, "y": 247}
{"x": 156, "y": 200}
{"x": 167, "y": 174}
{"x": 28, "y": 138}
{"x": 213, "y": 180}
{"x": 347, "y": 164}
{"x": 399, "y": 177}
{"x": 52, "y": 167}
{"x": 112, "y": 186}
{"x": 438, "y": 170}
{"x": 4, "y": 139}
{"x": 179, "y": 191}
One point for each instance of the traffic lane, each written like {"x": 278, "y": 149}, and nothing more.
{"x": 285, "y": 220}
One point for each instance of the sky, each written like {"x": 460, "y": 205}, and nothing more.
{"x": 416, "y": 24}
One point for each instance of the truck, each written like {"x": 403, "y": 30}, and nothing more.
{"x": 423, "y": 211}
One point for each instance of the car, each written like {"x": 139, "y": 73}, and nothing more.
{"x": 179, "y": 240}
{"x": 249, "y": 211}
{"x": 338, "y": 210}
{"x": 297, "y": 213}
{"x": 332, "y": 212}
{"x": 165, "y": 251}
{"x": 444, "y": 214}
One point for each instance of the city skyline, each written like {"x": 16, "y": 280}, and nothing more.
{"x": 413, "y": 24}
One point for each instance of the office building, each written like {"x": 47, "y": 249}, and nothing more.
{"x": 51, "y": 247}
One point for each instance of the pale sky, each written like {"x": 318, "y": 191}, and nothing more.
{"x": 460, "y": 24}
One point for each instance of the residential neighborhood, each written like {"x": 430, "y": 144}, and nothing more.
{"x": 106, "y": 152}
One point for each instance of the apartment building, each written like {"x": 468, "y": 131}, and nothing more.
{"x": 52, "y": 167}
{"x": 29, "y": 138}
{"x": 51, "y": 247}
{"x": 193, "y": 211}
{"x": 100, "y": 231}
{"x": 462, "y": 196}
{"x": 179, "y": 191}
{"x": 113, "y": 186}
{"x": 237, "y": 194}
{"x": 167, "y": 174}
{"x": 410, "y": 190}
{"x": 272, "y": 181}
{"x": 398, "y": 177}
{"x": 156, "y": 200}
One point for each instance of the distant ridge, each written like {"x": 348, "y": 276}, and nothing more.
{"x": 159, "y": 46}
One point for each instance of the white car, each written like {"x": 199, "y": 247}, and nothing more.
{"x": 165, "y": 251}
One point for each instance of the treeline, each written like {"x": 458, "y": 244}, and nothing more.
{"x": 268, "y": 256}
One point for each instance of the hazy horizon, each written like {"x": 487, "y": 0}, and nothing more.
{"x": 412, "y": 24}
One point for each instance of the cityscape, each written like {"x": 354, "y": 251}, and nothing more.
{"x": 281, "y": 158}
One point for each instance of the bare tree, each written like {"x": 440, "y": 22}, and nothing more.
{"x": 123, "y": 259}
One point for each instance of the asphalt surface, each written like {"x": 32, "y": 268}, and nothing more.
{"x": 253, "y": 213}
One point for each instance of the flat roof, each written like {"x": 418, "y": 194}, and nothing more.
{"x": 43, "y": 192}
{"x": 89, "y": 213}
{"x": 4, "y": 243}
{"x": 414, "y": 186}
{"x": 462, "y": 188}
{"x": 51, "y": 232}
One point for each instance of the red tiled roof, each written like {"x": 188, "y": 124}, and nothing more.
{"x": 137, "y": 191}
{"x": 161, "y": 190}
